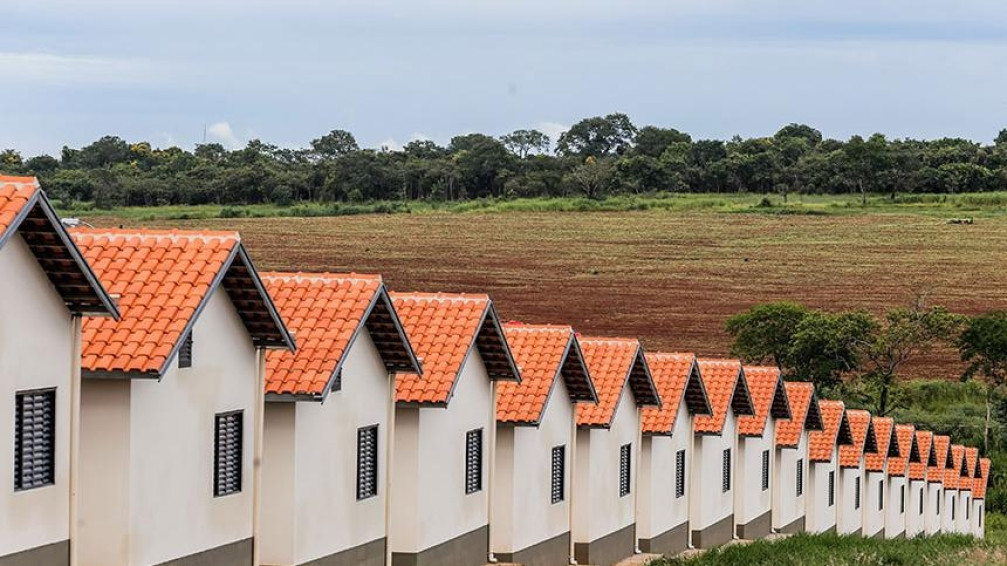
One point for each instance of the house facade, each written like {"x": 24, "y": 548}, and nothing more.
{"x": 793, "y": 465}
{"x": 965, "y": 485}
{"x": 535, "y": 443}
{"x": 916, "y": 514}
{"x": 823, "y": 453}
{"x": 662, "y": 515}
{"x": 936, "y": 507}
{"x": 952, "y": 498}
{"x": 445, "y": 429}
{"x": 328, "y": 417}
{"x": 876, "y": 481}
{"x": 171, "y": 403}
{"x": 978, "y": 525}
{"x": 608, "y": 451}
{"x": 850, "y": 513}
{"x": 898, "y": 481}
{"x": 46, "y": 288}
{"x": 715, "y": 448}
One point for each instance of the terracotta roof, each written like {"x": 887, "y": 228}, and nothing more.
{"x": 925, "y": 443}
{"x": 163, "y": 280}
{"x": 543, "y": 353}
{"x": 942, "y": 452}
{"x": 25, "y": 210}
{"x": 807, "y": 414}
{"x": 726, "y": 387}
{"x": 327, "y": 311}
{"x": 443, "y": 329}
{"x": 905, "y": 436}
{"x": 769, "y": 398}
{"x": 971, "y": 468}
{"x": 953, "y": 474}
{"x": 980, "y": 483}
{"x": 884, "y": 432}
{"x": 835, "y": 432}
{"x": 676, "y": 377}
{"x": 864, "y": 441}
{"x": 613, "y": 362}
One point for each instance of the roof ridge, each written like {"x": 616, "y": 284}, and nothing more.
{"x": 18, "y": 180}
{"x": 607, "y": 339}
{"x": 174, "y": 234}
{"x": 521, "y": 326}
{"x": 321, "y": 275}
{"x": 457, "y": 297}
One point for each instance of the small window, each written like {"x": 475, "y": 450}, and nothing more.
{"x": 473, "y": 461}
{"x": 856, "y": 494}
{"x": 765, "y": 470}
{"x": 938, "y": 503}
{"x": 625, "y": 453}
{"x": 227, "y": 454}
{"x": 832, "y": 488}
{"x": 558, "y": 474}
{"x": 980, "y": 516}
{"x": 952, "y": 507}
{"x": 881, "y": 495}
{"x": 337, "y": 381}
{"x": 726, "y": 480}
{"x": 680, "y": 474}
{"x": 921, "y": 501}
{"x": 967, "y": 510}
{"x": 800, "y": 477}
{"x": 902, "y": 500}
{"x": 34, "y": 439}
{"x": 367, "y": 462}
{"x": 185, "y": 352}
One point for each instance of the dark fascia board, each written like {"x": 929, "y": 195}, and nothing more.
{"x": 894, "y": 448}
{"x": 932, "y": 454}
{"x": 290, "y": 398}
{"x": 288, "y": 339}
{"x": 695, "y": 378}
{"x": 870, "y": 439}
{"x": 813, "y": 418}
{"x": 750, "y": 408}
{"x": 494, "y": 319}
{"x": 641, "y": 359}
{"x": 781, "y": 390}
{"x": 914, "y": 450}
{"x": 844, "y": 434}
{"x": 573, "y": 347}
{"x": 386, "y": 298}
{"x": 119, "y": 375}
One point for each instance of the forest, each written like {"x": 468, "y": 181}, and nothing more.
{"x": 597, "y": 157}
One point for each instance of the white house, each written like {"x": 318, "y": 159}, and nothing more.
{"x": 916, "y": 513}
{"x": 898, "y": 508}
{"x": 608, "y": 451}
{"x": 536, "y": 439}
{"x": 45, "y": 289}
{"x": 823, "y": 454}
{"x": 952, "y": 498}
{"x": 662, "y": 515}
{"x": 715, "y": 447}
{"x": 965, "y": 497}
{"x": 755, "y": 463}
{"x": 793, "y": 466}
{"x": 850, "y": 514}
{"x": 171, "y": 404}
{"x": 978, "y": 525}
{"x": 876, "y": 480}
{"x": 935, "y": 507}
{"x": 445, "y": 428}
{"x": 328, "y": 416}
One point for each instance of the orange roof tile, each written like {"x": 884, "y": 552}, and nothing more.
{"x": 15, "y": 193}
{"x": 942, "y": 452}
{"x": 862, "y": 432}
{"x": 162, "y": 279}
{"x": 769, "y": 398}
{"x": 327, "y": 311}
{"x": 980, "y": 483}
{"x": 726, "y": 388}
{"x": 614, "y": 362}
{"x": 971, "y": 468}
{"x": 884, "y": 432}
{"x": 905, "y": 436}
{"x": 835, "y": 430}
{"x": 443, "y": 328}
{"x": 677, "y": 378}
{"x": 925, "y": 442}
{"x": 953, "y": 474}
{"x": 806, "y": 414}
{"x": 543, "y": 353}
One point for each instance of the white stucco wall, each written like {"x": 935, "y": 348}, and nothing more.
{"x": 278, "y": 496}
{"x": 600, "y": 510}
{"x": 709, "y": 503}
{"x": 850, "y": 518}
{"x": 523, "y": 511}
{"x": 788, "y": 506}
{"x": 916, "y": 492}
{"x": 949, "y": 518}
{"x": 750, "y": 500}
{"x": 429, "y": 462}
{"x": 658, "y": 510}
{"x": 895, "y": 514}
{"x": 874, "y": 517}
{"x": 821, "y": 517}
{"x": 977, "y": 522}
{"x": 935, "y": 508}
{"x": 36, "y": 342}
{"x": 963, "y": 519}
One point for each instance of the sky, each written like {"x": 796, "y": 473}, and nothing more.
{"x": 286, "y": 71}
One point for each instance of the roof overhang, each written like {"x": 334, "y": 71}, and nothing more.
{"x": 575, "y": 373}
{"x": 780, "y": 407}
{"x": 741, "y": 397}
{"x": 641, "y": 382}
{"x": 696, "y": 399}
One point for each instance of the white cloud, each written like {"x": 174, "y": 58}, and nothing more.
{"x": 221, "y": 132}
{"x": 553, "y": 130}
{"x": 50, "y": 68}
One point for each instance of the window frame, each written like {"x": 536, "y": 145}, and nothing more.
{"x": 800, "y": 477}
{"x": 765, "y": 470}
{"x": 220, "y": 488}
{"x": 680, "y": 474}
{"x": 473, "y": 461}
{"x": 725, "y": 481}
{"x": 832, "y": 488}
{"x": 557, "y": 479}
{"x": 625, "y": 469}
{"x": 185, "y": 352}
{"x": 362, "y": 443}
{"x": 21, "y": 451}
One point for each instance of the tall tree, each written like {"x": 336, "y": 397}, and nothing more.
{"x": 598, "y": 137}
{"x": 653, "y": 141}
{"x": 765, "y": 332}
{"x": 334, "y": 144}
{"x": 524, "y": 142}
{"x": 824, "y": 347}
{"x": 983, "y": 346}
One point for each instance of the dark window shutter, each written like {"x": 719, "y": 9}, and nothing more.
{"x": 337, "y": 381}
{"x": 938, "y": 502}
{"x": 881, "y": 494}
{"x": 765, "y": 470}
{"x": 228, "y": 454}
{"x": 968, "y": 510}
{"x": 832, "y": 488}
{"x": 800, "y": 477}
{"x": 726, "y": 480}
{"x": 558, "y": 473}
{"x": 367, "y": 462}
{"x": 921, "y": 501}
{"x": 680, "y": 474}
{"x": 902, "y": 500}
{"x": 625, "y": 453}
{"x": 856, "y": 494}
{"x": 34, "y": 439}
{"x": 953, "y": 507}
{"x": 185, "y": 352}
{"x": 473, "y": 461}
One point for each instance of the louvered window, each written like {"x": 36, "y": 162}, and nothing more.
{"x": 367, "y": 462}
{"x": 856, "y": 494}
{"x": 938, "y": 503}
{"x": 967, "y": 510}
{"x": 558, "y": 479}
{"x": 726, "y": 463}
{"x": 881, "y": 495}
{"x": 921, "y": 501}
{"x": 952, "y": 507}
{"x": 337, "y": 381}
{"x": 228, "y": 454}
{"x": 980, "y": 516}
{"x": 34, "y": 439}
{"x": 832, "y": 488}
{"x": 185, "y": 352}
{"x": 473, "y": 461}
{"x": 800, "y": 477}
{"x": 765, "y": 470}
{"x": 625, "y": 452}
{"x": 902, "y": 500}
{"x": 680, "y": 474}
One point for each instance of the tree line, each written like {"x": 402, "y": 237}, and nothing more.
{"x": 595, "y": 158}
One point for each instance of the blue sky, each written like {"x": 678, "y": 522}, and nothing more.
{"x": 395, "y": 70}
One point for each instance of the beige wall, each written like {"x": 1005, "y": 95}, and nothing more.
{"x": 849, "y": 518}
{"x": 948, "y": 525}
{"x": 874, "y": 518}
{"x": 964, "y": 515}
{"x": 708, "y": 503}
{"x": 788, "y": 507}
{"x": 36, "y": 342}
{"x": 821, "y": 516}
{"x": 934, "y": 508}
{"x": 895, "y": 515}
{"x": 750, "y": 500}
{"x": 915, "y": 521}
{"x": 658, "y": 510}
{"x": 977, "y": 522}
{"x": 278, "y": 496}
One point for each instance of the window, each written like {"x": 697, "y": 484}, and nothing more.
{"x": 227, "y": 454}
{"x": 473, "y": 461}
{"x": 921, "y": 501}
{"x": 856, "y": 494}
{"x": 902, "y": 500}
{"x": 367, "y": 462}
{"x": 980, "y": 516}
{"x": 337, "y": 381}
{"x": 625, "y": 452}
{"x": 34, "y": 439}
{"x": 967, "y": 510}
{"x": 680, "y": 474}
{"x": 185, "y": 352}
{"x": 832, "y": 488}
{"x": 881, "y": 495}
{"x": 800, "y": 477}
{"x": 558, "y": 473}
{"x": 952, "y": 507}
{"x": 765, "y": 470}
{"x": 726, "y": 480}
{"x": 938, "y": 503}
